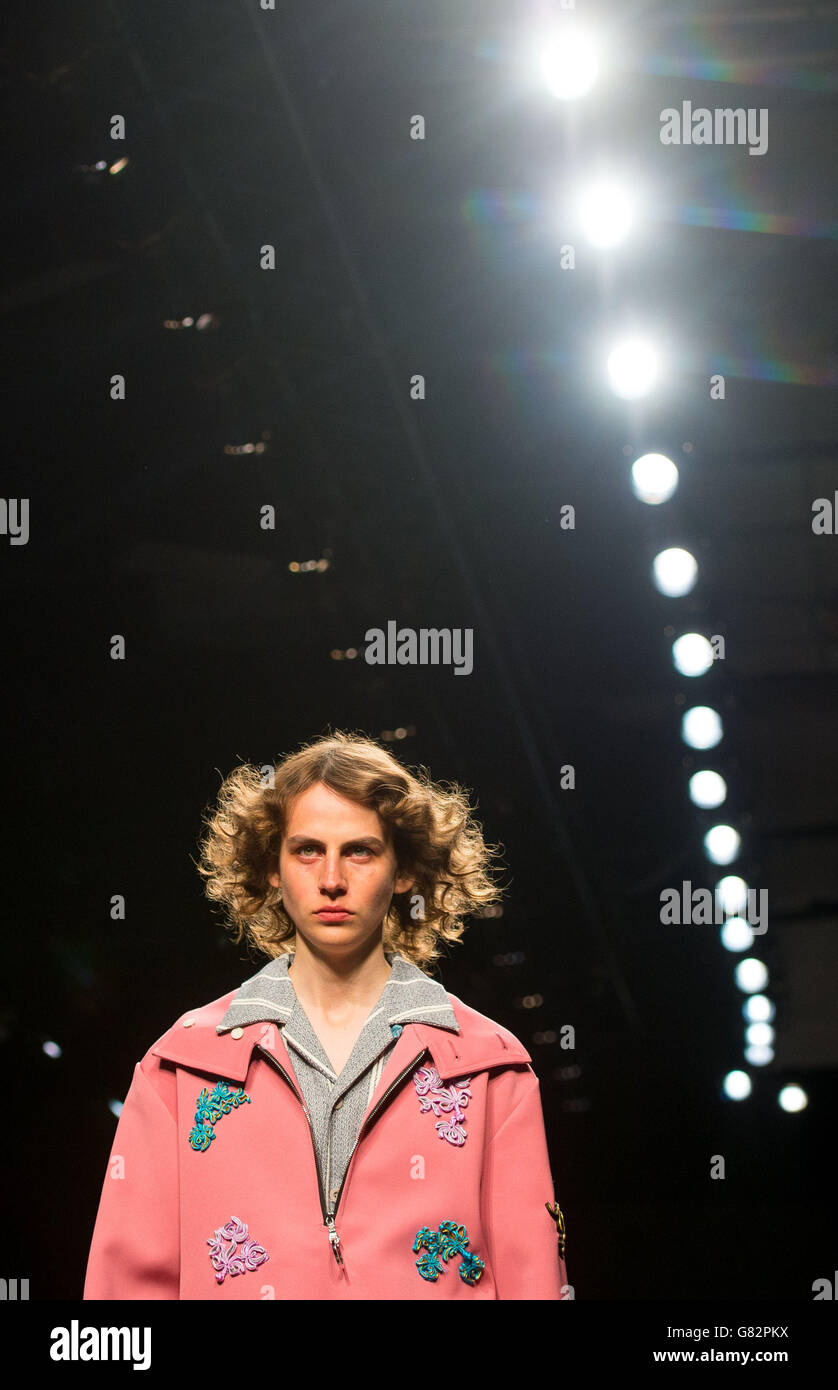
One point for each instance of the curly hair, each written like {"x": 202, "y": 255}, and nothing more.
{"x": 431, "y": 825}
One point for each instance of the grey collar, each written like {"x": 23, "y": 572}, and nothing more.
{"x": 409, "y": 996}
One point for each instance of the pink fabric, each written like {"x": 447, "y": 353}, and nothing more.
{"x": 163, "y": 1201}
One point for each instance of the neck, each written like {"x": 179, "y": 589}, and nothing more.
{"x": 329, "y": 985}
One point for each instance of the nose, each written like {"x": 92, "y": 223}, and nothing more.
{"x": 332, "y": 876}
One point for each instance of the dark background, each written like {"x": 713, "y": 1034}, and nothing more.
{"x": 438, "y": 257}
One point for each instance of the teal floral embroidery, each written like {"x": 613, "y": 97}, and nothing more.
{"x": 201, "y": 1137}
{"x": 449, "y": 1240}
{"x": 211, "y": 1106}
{"x": 428, "y": 1266}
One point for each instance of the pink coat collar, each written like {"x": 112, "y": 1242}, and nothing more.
{"x": 480, "y": 1045}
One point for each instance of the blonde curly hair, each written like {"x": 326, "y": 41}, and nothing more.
{"x": 435, "y": 838}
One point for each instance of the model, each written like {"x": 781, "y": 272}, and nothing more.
{"x": 340, "y": 1126}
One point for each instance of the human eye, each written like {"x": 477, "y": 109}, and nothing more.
{"x": 305, "y": 849}
{"x": 360, "y": 849}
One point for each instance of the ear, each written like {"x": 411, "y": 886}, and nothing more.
{"x": 274, "y": 880}
{"x": 403, "y": 884}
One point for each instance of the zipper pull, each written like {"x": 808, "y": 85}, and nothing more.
{"x": 334, "y": 1238}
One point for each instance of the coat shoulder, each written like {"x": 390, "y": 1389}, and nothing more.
{"x": 203, "y": 1019}
{"x": 192, "y": 1041}
{"x": 482, "y": 1043}
{"x": 475, "y": 1025}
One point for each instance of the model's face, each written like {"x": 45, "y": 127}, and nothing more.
{"x": 337, "y": 870}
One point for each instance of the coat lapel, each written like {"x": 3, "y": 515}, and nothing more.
{"x": 202, "y": 1049}
{"x": 454, "y": 1055}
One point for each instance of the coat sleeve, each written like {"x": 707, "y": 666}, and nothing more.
{"x": 135, "y": 1250}
{"x": 522, "y": 1237}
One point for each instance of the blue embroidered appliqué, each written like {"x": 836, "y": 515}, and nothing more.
{"x": 211, "y": 1106}
{"x": 450, "y": 1239}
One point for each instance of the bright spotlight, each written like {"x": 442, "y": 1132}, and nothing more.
{"x": 707, "y": 789}
{"x": 758, "y": 1009}
{"x": 760, "y": 1034}
{"x": 793, "y": 1099}
{"x": 654, "y": 478}
{"x": 759, "y": 1055}
{"x": 674, "y": 572}
{"x": 605, "y": 212}
{"x": 633, "y": 368}
{"x": 570, "y": 64}
{"x": 722, "y": 844}
{"x": 732, "y": 894}
{"x": 51, "y": 1048}
{"x": 692, "y": 654}
{"x": 750, "y": 975}
{"x": 736, "y": 934}
{"x": 737, "y": 1085}
{"x": 701, "y": 727}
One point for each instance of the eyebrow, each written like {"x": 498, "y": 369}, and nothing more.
{"x": 371, "y": 840}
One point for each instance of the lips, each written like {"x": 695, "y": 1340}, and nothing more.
{"x": 333, "y": 914}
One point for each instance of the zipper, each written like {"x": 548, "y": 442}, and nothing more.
{"x": 280, "y": 1068}
{"x": 329, "y": 1216}
{"x": 399, "y": 1079}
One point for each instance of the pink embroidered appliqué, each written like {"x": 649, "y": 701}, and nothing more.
{"x": 444, "y": 1100}
{"x": 240, "y": 1255}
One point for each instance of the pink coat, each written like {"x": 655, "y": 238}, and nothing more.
{"x": 244, "y": 1218}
